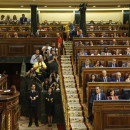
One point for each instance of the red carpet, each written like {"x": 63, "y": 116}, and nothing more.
{"x": 61, "y": 126}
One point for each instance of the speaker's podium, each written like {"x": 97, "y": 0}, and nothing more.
{"x": 9, "y": 106}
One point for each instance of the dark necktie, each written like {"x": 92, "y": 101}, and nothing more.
{"x": 98, "y": 96}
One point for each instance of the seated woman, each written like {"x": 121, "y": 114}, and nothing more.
{"x": 112, "y": 95}
{"x": 97, "y": 64}
{"x": 93, "y": 78}
{"x": 128, "y": 78}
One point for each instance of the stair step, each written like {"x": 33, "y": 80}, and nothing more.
{"x": 70, "y": 86}
{"x": 73, "y": 100}
{"x": 65, "y": 62}
{"x": 69, "y": 81}
{"x": 71, "y": 92}
{"x": 65, "y": 56}
{"x": 74, "y": 107}
{"x": 75, "y": 113}
{"x": 66, "y": 65}
{"x": 67, "y": 72}
{"x": 78, "y": 119}
{"x": 72, "y": 95}
{"x": 66, "y": 69}
{"x": 78, "y": 126}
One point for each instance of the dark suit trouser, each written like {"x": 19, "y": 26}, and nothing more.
{"x": 33, "y": 110}
{"x": 90, "y": 109}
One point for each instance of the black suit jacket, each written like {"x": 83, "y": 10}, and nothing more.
{"x": 93, "y": 97}
{"x": 110, "y": 65}
{"x": 33, "y": 103}
{"x": 102, "y": 80}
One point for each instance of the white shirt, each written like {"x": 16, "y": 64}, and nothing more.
{"x": 34, "y": 58}
{"x": 87, "y": 66}
{"x": 105, "y": 79}
{"x": 98, "y": 96}
{"x": 94, "y": 55}
{"x": 49, "y": 48}
{"x": 118, "y": 80}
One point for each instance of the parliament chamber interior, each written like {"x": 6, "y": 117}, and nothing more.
{"x": 64, "y": 65}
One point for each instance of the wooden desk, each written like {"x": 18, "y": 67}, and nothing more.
{"x": 9, "y": 110}
{"x": 111, "y": 115}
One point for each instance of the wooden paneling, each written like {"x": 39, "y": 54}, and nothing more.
{"x": 10, "y": 110}
{"x": 111, "y": 115}
{"x": 23, "y": 46}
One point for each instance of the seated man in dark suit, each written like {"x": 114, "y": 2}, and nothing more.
{"x": 104, "y": 77}
{"x": 87, "y": 64}
{"x": 113, "y": 64}
{"x": 95, "y": 96}
{"x": 114, "y": 42}
{"x": 23, "y": 19}
{"x": 118, "y": 77}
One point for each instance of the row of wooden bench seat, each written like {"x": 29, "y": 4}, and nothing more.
{"x": 105, "y": 60}
{"x": 110, "y": 71}
{"x": 25, "y": 34}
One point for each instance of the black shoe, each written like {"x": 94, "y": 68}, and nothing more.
{"x": 49, "y": 125}
{"x": 29, "y": 125}
{"x": 90, "y": 117}
{"x": 37, "y": 125}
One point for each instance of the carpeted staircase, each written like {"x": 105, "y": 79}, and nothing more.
{"x": 75, "y": 108}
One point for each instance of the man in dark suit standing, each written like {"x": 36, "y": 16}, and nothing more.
{"x": 95, "y": 96}
{"x": 87, "y": 64}
{"x": 104, "y": 77}
{"x": 33, "y": 105}
{"x": 113, "y": 64}
{"x": 23, "y": 19}
{"x": 118, "y": 78}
